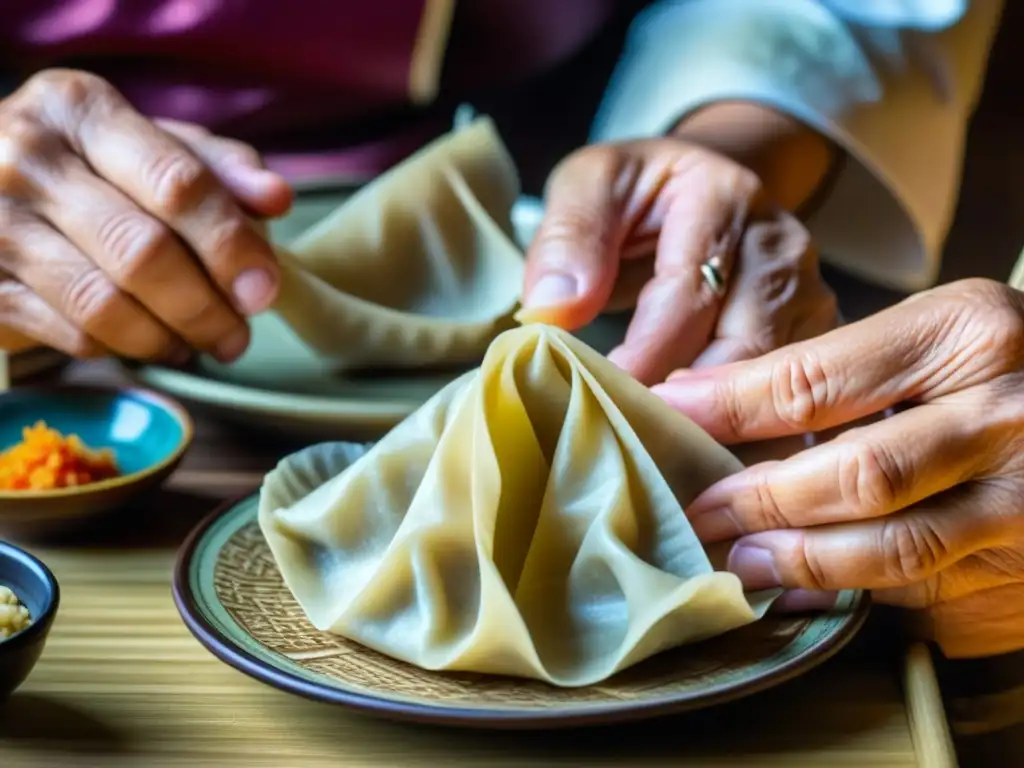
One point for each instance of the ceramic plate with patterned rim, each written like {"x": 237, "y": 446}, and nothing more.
{"x": 231, "y": 596}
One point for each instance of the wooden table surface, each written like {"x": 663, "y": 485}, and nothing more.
{"x": 122, "y": 682}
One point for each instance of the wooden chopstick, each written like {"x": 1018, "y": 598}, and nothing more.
{"x": 929, "y": 727}
{"x": 1017, "y": 276}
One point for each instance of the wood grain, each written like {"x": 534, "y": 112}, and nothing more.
{"x": 122, "y": 683}
{"x": 928, "y": 725}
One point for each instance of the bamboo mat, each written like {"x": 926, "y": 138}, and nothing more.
{"x": 122, "y": 683}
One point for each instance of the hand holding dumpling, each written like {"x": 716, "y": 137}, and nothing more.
{"x": 924, "y": 508}
{"x": 635, "y": 223}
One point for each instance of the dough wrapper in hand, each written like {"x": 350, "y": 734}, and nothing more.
{"x": 418, "y": 268}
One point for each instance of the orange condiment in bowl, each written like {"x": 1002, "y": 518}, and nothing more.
{"x": 45, "y": 460}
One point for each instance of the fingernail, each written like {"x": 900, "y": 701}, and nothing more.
{"x": 231, "y": 348}
{"x": 265, "y": 192}
{"x": 805, "y": 600}
{"x": 551, "y": 290}
{"x": 255, "y": 180}
{"x": 680, "y": 374}
{"x": 254, "y": 291}
{"x": 755, "y": 566}
{"x": 716, "y": 525}
{"x": 690, "y": 394}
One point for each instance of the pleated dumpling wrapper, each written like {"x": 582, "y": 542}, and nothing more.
{"x": 527, "y": 520}
{"x": 418, "y": 268}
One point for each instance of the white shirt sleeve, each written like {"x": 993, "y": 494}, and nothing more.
{"x": 894, "y": 82}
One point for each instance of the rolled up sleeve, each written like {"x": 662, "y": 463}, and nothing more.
{"x": 893, "y": 83}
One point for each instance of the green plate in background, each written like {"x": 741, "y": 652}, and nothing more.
{"x": 278, "y": 387}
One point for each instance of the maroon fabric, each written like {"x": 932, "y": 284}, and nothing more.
{"x": 292, "y": 73}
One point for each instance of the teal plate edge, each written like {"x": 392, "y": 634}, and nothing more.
{"x": 214, "y": 627}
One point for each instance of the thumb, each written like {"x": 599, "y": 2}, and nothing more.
{"x": 238, "y": 167}
{"x": 573, "y": 261}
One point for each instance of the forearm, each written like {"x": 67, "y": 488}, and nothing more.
{"x": 792, "y": 160}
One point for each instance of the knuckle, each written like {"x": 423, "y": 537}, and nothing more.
{"x": 566, "y": 226}
{"x": 987, "y": 324}
{"x": 870, "y": 478}
{"x": 767, "y": 514}
{"x": 23, "y": 137}
{"x": 910, "y": 549}
{"x": 135, "y": 244}
{"x": 24, "y": 144}
{"x": 800, "y": 390}
{"x": 70, "y": 89}
{"x": 178, "y": 182}
{"x": 731, "y": 410}
{"x": 93, "y": 302}
{"x": 228, "y": 237}
{"x": 570, "y": 238}
{"x": 813, "y": 572}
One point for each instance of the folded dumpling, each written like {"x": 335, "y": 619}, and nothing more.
{"x": 418, "y": 268}
{"x": 527, "y": 520}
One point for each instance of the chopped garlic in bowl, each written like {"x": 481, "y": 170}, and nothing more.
{"x": 14, "y": 616}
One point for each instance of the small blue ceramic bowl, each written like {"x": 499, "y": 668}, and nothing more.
{"x": 38, "y": 591}
{"x": 148, "y": 433}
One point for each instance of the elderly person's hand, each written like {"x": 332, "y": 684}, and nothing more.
{"x": 925, "y": 508}
{"x": 122, "y": 235}
{"x": 658, "y": 223}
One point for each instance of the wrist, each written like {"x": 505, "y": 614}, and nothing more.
{"x": 792, "y": 160}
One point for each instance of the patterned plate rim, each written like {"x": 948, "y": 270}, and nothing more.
{"x": 209, "y": 634}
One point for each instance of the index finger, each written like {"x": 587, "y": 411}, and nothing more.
{"x": 709, "y": 202}
{"x": 573, "y": 260}
{"x": 167, "y": 180}
{"x": 847, "y": 374}
{"x": 863, "y": 474}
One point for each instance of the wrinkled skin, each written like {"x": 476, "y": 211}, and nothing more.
{"x": 925, "y": 508}
{"x": 120, "y": 234}
{"x": 630, "y": 224}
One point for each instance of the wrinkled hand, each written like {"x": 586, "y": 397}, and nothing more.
{"x": 630, "y": 224}
{"x": 122, "y": 235}
{"x": 925, "y": 508}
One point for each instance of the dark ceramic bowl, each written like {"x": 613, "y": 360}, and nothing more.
{"x": 38, "y": 591}
{"x": 149, "y": 434}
